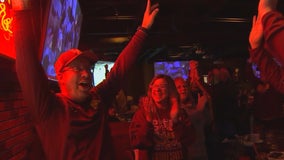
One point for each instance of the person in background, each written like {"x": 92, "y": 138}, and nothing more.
{"x": 225, "y": 103}
{"x": 196, "y": 87}
{"x": 159, "y": 130}
{"x": 120, "y": 107}
{"x": 72, "y": 124}
{"x": 266, "y": 43}
{"x": 106, "y": 70}
{"x": 212, "y": 79}
{"x": 199, "y": 115}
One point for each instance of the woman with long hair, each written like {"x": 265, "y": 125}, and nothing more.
{"x": 159, "y": 129}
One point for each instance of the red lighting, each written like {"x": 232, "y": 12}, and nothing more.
{"x": 5, "y": 20}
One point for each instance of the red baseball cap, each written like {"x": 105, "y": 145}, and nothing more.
{"x": 70, "y": 55}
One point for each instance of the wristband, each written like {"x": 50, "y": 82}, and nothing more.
{"x": 143, "y": 29}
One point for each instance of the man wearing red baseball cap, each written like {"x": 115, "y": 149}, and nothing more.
{"x": 67, "y": 57}
{"x": 72, "y": 124}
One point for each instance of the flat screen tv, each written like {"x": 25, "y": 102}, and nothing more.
{"x": 172, "y": 68}
{"x": 61, "y": 32}
{"x": 255, "y": 70}
{"x": 100, "y": 71}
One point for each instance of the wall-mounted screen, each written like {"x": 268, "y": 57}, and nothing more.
{"x": 172, "y": 68}
{"x": 61, "y": 32}
{"x": 255, "y": 70}
{"x": 100, "y": 71}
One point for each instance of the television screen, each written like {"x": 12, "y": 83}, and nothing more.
{"x": 62, "y": 32}
{"x": 255, "y": 70}
{"x": 172, "y": 68}
{"x": 100, "y": 71}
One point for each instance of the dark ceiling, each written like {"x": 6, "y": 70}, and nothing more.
{"x": 184, "y": 29}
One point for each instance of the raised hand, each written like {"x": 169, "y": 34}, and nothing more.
{"x": 256, "y": 33}
{"x": 201, "y": 102}
{"x": 194, "y": 75}
{"x": 149, "y": 15}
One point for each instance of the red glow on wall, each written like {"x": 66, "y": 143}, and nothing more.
{"x": 5, "y": 20}
{"x": 6, "y": 33}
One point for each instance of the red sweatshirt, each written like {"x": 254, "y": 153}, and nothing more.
{"x": 272, "y": 48}
{"x": 69, "y": 130}
{"x": 161, "y": 138}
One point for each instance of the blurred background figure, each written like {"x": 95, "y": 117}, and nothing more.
{"x": 106, "y": 70}
{"x": 198, "y": 112}
{"x": 225, "y": 104}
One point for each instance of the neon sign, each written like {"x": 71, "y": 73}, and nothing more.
{"x": 5, "y": 20}
{"x": 7, "y": 46}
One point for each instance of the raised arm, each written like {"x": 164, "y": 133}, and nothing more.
{"x": 128, "y": 56}
{"x": 256, "y": 36}
{"x": 149, "y": 15}
{"x": 256, "y": 33}
{"x": 266, "y": 42}
{"x": 30, "y": 73}
{"x": 273, "y": 28}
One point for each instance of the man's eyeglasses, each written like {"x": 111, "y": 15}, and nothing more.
{"x": 78, "y": 69}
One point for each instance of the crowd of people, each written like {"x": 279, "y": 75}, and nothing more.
{"x": 173, "y": 119}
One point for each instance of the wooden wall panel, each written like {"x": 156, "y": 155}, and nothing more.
{"x": 16, "y": 131}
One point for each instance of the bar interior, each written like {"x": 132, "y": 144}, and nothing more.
{"x": 244, "y": 115}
